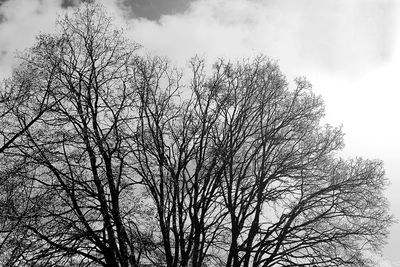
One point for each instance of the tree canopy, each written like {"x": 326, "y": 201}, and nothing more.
{"x": 112, "y": 158}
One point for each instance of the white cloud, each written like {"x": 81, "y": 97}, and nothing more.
{"x": 344, "y": 36}
{"x": 340, "y": 36}
{"x": 388, "y": 263}
{"x": 24, "y": 20}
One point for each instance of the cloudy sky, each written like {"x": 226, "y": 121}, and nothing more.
{"x": 348, "y": 49}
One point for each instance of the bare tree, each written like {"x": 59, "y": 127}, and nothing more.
{"x": 76, "y": 151}
{"x": 243, "y": 174}
{"x": 24, "y": 98}
{"x": 290, "y": 200}
{"x": 111, "y": 159}
{"x": 176, "y": 159}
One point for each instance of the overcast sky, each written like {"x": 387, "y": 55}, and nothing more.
{"x": 348, "y": 49}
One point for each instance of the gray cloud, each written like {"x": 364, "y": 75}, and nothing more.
{"x": 149, "y": 9}
{"x": 154, "y": 9}
{"x": 72, "y": 3}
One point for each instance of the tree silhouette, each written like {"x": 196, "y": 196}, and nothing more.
{"x": 111, "y": 158}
